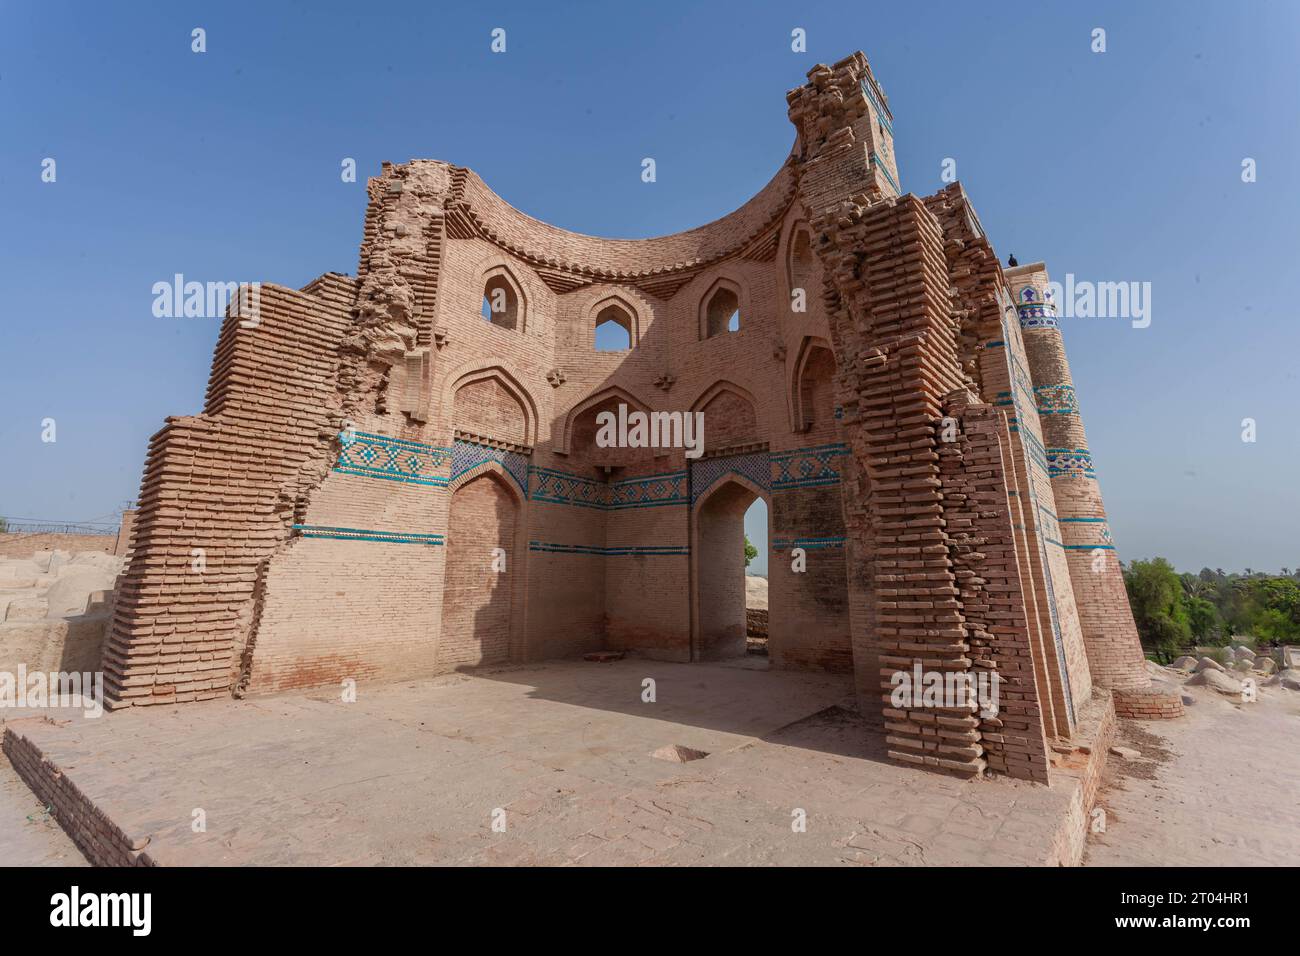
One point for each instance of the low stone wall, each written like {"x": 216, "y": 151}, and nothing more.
{"x": 26, "y": 545}
{"x": 102, "y": 842}
{"x": 756, "y": 622}
{"x": 1148, "y": 705}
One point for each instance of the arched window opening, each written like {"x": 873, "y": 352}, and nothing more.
{"x": 723, "y": 313}
{"x": 500, "y": 303}
{"x": 613, "y": 330}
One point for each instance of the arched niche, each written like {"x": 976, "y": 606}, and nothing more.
{"x": 811, "y": 391}
{"x": 730, "y": 415}
{"x": 489, "y": 399}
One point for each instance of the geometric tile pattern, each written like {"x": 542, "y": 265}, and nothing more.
{"x": 799, "y": 468}
{"x": 754, "y": 466}
{"x": 1070, "y": 463}
{"x": 562, "y": 488}
{"x": 1037, "y": 315}
{"x": 1056, "y": 400}
{"x": 805, "y": 467}
{"x": 647, "y": 491}
{"x": 467, "y": 455}
{"x": 392, "y": 459}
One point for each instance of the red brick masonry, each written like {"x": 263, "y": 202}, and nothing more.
{"x": 372, "y": 449}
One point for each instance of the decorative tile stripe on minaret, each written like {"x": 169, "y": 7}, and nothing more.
{"x": 1110, "y": 636}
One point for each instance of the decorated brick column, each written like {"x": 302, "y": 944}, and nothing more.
{"x": 1109, "y": 633}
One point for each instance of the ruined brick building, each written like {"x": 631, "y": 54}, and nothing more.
{"x": 368, "y": 444}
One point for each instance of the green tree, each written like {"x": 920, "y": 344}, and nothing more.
{"x": 1270, "y": 624}
{"x": 1204, "y": 621}
{"x": 1270, "y": 609}
{"x": 1155, "y": 593}
{"x": 751, "y": 552}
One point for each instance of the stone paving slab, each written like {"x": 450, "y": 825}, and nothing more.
{"x": 416, "y": 773}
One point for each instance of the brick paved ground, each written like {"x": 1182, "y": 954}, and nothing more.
{"x": 412, "y": 773}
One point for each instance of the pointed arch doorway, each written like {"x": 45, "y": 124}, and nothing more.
{"x": 718, "y": 624}
{"x": 484, "y": 562}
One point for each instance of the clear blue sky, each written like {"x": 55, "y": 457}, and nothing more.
{"x": 225, "y": 165}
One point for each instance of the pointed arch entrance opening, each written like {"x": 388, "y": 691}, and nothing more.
{"x": 718, "y": 572}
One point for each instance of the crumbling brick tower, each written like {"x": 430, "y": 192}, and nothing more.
{"x": 389, "y": 481}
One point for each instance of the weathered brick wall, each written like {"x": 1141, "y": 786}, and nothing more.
{"x": 810, "y": 517}
{"x": 1082, "y": 772}
{"x": 721, "y": 561}
{"x": 366, "y": 447}
{"x": 992, "y": 350}
{"x": 921, "y": 594}
{"x": 991, "y": 589}
{"x": 1149, "y": 703}
{"x": 25, "y": 545}
{"x": 476, "y": 599}
{"x": 597, "y": 558}
{"x": 644, "y": 606}
{"x": 218, "y": 498}
{"x": 898, "y": 359}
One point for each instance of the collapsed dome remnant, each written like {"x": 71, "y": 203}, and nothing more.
{"x": 399, "y": 474}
